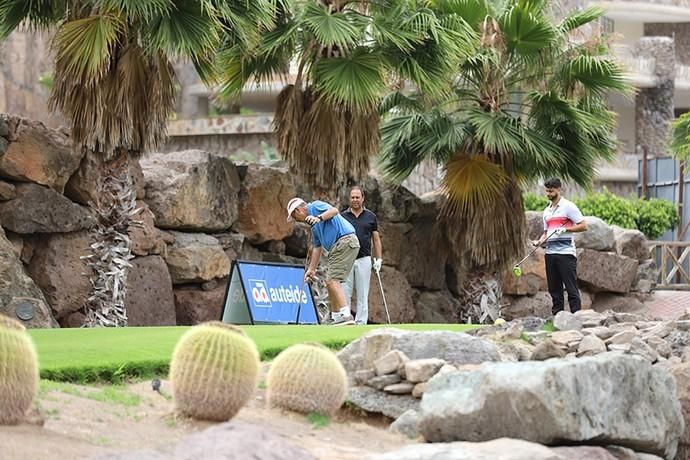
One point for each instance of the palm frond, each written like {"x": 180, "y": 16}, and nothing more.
{"x": 526, "y": 32}
{"x": 472, "y": 181}
{"x": 331, "y": 27}
{"x": 140, "y": 9}
{"x": 680, "y": 137}
{"x": 36, "y": 14}
{"x": 354, "y": 81}
{"x": 84, "y": 47}
{"x": 580, "y": 18}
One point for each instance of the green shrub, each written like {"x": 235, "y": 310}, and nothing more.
{"x": 610, "y": 208}
{"x": 534, "y": 202}
{"x": 655, "y": 216}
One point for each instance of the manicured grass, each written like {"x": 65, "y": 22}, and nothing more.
{"x": 105, "y": 354}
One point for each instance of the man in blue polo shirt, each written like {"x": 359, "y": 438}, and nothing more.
{"x": 330, "y": 232}
{"x": 562, "y": 218}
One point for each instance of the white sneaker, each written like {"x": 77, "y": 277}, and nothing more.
{"x": 340, "y": 319}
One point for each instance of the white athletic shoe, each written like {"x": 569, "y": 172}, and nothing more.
{"x": 340, "y": 319}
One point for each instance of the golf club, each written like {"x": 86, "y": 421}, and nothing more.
{"x": 385, "y": 305}
{"x": 517, "y": 271}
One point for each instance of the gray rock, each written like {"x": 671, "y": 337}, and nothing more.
{"x": 372, "y": 400}
{"x": 590, "y": 345}
{"x": 609, "y": 398}
{"x": 406, "y": 424}
{"x": 382, "y": 381}
{"x": 547, "y": 350}
{"x": 646, "y": 278}
{"x": 602, "y": 332}
{"x": 660, "y": 345}
{"x": 639, "y": 347}
{"x": 192, "y": 190}
{"x": 566, "y": 321}
{"x": 590, "y": 318}
{"x": 390, "y": 362}
{"x": 605, "y": 271}
{"x": 402, "y": 388}
{"x": 196, "y": 257}
{"x": 497, "y": 449}
{"x": 421, "y": 370}
{"x": 38, "y": 209}
{"x": 364, "y": 376}
{"x": 452, "y": 347}
{"x": 599, "y": 236}
{"x": 630, "y": 243}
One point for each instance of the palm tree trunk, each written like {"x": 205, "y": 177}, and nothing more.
{"x": 111, "y": 248}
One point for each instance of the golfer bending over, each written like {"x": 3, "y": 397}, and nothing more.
{"x": 561, "y": 219}
{"x": 330, "y": 231}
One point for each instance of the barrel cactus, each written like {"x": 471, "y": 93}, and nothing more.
{"x": 307, "y": 378}
{"x": 18, "y": 371}
{"x": 214, "y": 371}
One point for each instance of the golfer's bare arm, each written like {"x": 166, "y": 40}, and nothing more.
{"x": 376, "y": 239}
{"x": 330, "y": 214}
{"x": 315, "y": 256}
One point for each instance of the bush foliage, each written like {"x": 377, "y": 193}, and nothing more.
{"x": 652, "y": 216}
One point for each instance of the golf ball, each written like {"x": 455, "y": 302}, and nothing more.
{"x": 499, "y": 321}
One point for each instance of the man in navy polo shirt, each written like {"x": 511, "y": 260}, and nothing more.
{"x": 330, "y": 232}
{"x": 562, "y": 218}
{"x": 366, "y": 227}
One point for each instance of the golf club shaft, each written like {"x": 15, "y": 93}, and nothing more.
{"x": 383, "y": 296}
{"x": 537, "y": 247}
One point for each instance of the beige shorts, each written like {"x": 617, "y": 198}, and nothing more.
{"x": 342, "y": 257}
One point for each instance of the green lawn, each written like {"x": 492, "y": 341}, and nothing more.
{"x": 105, "y": 354}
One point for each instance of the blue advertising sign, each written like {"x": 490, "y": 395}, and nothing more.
{"x": 268, "y": 293}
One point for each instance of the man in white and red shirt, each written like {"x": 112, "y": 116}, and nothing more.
{"x": 561, "y": 219}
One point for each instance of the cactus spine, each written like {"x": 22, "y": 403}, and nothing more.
{"x": 214, "y": 371}
{"x": 307, "y": 378}
{"x": 18, "y": 371}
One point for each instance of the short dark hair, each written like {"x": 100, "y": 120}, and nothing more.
{"x": 357, "y": 187}
{"x": 554, "y": 182}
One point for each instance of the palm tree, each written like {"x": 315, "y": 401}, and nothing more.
{"x": 114, "y": 82}
{"x": 529, "y": 101}
{"x": 346, "y": 56}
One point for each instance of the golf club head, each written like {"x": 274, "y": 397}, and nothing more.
{"x": 517, "y": 271}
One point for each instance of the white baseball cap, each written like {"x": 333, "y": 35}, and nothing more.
{"x": 292, "y": 205}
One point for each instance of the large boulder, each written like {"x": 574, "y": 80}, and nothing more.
{"x": 598, "y": 237}
{"x": 647, "y": 277}
{"x": 57, "y": 267}
{"x": 436, "y": 307}
{"x": 503, "y": 449}
{"x": 608, "y": 399}
{"x": 538, "y": 305}
{"x": 535, "y": 224}
{"x": 424, "y": 256}
{"x": 38, "y": 209}
{"x": 394, "y": 241}
{"x": 389, "y": 202}
{"x": 604, "y": 301}
{"x": 681, "y": 373}
{"x": 145, "y": 236}
{"x": 605, "y": 271}
{"x": 263, "y": 196}
{"x": 192, "y": 190}
{"x": 38, "y": 154}
{"x": 533, "y": 277}
{"x": 194, "y": 305}
{"x": 453, "y": 347}
{"x": 398, "y": 296}
{"x": 16, "y": 287}
{"x": 195, "y": 258}
{"x": 81, "y": 187}
{"x": 149, "y": 300}
{"x": 630, "y": 243}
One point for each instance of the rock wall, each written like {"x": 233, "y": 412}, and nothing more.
{"x": 199, "y": 211}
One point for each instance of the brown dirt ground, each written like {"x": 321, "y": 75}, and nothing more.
{"x": 76, "y": 426}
